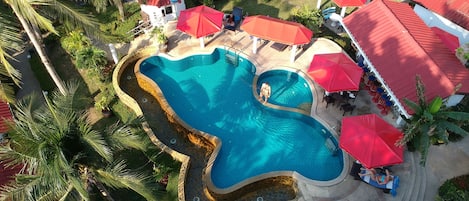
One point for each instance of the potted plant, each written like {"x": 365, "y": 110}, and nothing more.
{"x": 161, "y": 38}
{"x": 104, "y": 100}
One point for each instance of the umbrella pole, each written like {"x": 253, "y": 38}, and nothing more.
{"x": 254, "y": 44}
{"x": 202, "y": 43}
{"x": 293, "y": 53}
{"x": 318, "y": 5}
{"x": 342, "y": 12}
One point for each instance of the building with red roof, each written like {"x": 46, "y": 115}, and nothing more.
{"x": 456, "y": 11}
{"x": 6, "y": 173}
{"x": 450, "y": 16}
{"x": 5, "y": 115}
{"x": 159, "y": 12}
{"x": 397, "y": 45}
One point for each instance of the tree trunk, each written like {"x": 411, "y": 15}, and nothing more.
{"x": 41, "y": 52}
{"x": 120, "y": 7}
{"x": 102, "y": 189}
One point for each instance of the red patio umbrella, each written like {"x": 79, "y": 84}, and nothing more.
{"x": 282, "y": 31}
{"x": 335, "y": 72}
{"x": 344, "y": 3}
{"x": 200, "y": 21}
{"x": 371, "y": 140}
{"x": 451, "y": 41}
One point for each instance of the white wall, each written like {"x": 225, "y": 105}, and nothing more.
{"x": 435, "y": 20}
{"x": 156, "y": 15}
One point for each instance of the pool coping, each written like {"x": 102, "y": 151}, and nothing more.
{"x": 216, "y": 142}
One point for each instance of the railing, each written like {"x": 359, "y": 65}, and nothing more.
{"x": 140, "y": 28}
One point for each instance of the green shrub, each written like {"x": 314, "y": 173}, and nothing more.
{"x": 91, "y": 58}
{"x": 456, "y": 189}
{"x": 74, "y": 42}
{"x": 311, "y": 18}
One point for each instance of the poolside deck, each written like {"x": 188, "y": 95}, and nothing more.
{"x": 265, "y": 59}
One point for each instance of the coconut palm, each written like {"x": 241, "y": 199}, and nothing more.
{"x": 431, "y": 123}
{"x": 63, "y": 157}
{"x": 38, "y": 14}
{"x": 9, "y": 42}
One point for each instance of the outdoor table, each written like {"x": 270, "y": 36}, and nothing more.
{"x": 279, "y": 46}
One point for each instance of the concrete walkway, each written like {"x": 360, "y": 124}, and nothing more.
{"x": 30, "y": 83}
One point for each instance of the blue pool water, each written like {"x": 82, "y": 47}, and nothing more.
{"x": 214, "y": 96}
{"x": 288, "y": 89}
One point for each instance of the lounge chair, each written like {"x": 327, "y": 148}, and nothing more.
{"x": 391, "y": 186}
{"x": 326, "y": 13}
{"x": 237, "y": 14}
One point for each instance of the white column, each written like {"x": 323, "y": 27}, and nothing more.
{"x": 254, "y": 44}
{"x": 318, "y": 5}
{"x": 293, "y": 53}
{"x": 342, "y": 12}
{"x": 113, "y": 53}
{"x": 202, "y": 43}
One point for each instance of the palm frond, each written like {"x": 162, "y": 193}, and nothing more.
{"x": 96, "y": 142}
{"x": 122, "y": 137}
{"x": 456, "y": 129}
{"x": 79, "y": 187}
{"x": 459, "y": 116}
{"x": 66, "y": 13}
{"x": 413, "y": 105}
{"x": 117, "y": 176}
{"x": 420, "y": 86}
{"x": 10, "y": 41}
{"x": 25, "y": 8}
{"x": 435, "y": 105}
{"x": 424, "y": 144}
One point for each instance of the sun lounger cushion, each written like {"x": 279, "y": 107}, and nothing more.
{"x": 391, "y": 185}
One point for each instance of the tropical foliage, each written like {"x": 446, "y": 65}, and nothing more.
{"x": 455, "y": 189}
{"x": 431, "y": 123}
{"x": 36, "y": 16}
{"x": 75, "y": 41}
{"x": 64, "y": 158}
{"x": 311, "y": 18}
{"x": 10, "y": 41}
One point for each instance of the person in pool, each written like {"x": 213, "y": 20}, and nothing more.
{"x": 265, "y": 91}
{"x": 384, "y": 179}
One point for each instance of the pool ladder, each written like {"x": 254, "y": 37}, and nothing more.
{"x": 230, "y": 58}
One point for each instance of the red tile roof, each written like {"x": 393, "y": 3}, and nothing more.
{"x": 5, "y": 115}
{"x": 7, "y": 173}
{"x": 455, "y": 10}
{"x": 400, "y": 46}
{"x": 160, "y": 3}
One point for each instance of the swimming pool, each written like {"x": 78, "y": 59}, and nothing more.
{"x": 288, "y": 89}
{"x": 214, "y": 93}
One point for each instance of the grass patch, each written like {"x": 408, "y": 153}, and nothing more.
{"x": 116, "y": 28}
{"x": 274, "y": 8}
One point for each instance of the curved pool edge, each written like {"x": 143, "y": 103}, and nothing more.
{"x": 313, "y": 113}
{"x": 133, "y": 105}
{"x": 208, "y": 185}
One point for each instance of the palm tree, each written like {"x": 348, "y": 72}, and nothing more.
{"x": 431, "y": 123}
{"x": 9, "y": 42}
{"x": 101, "y": 6}
{"x": 63, "y": 157}
{"x": 32, "y": 22}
